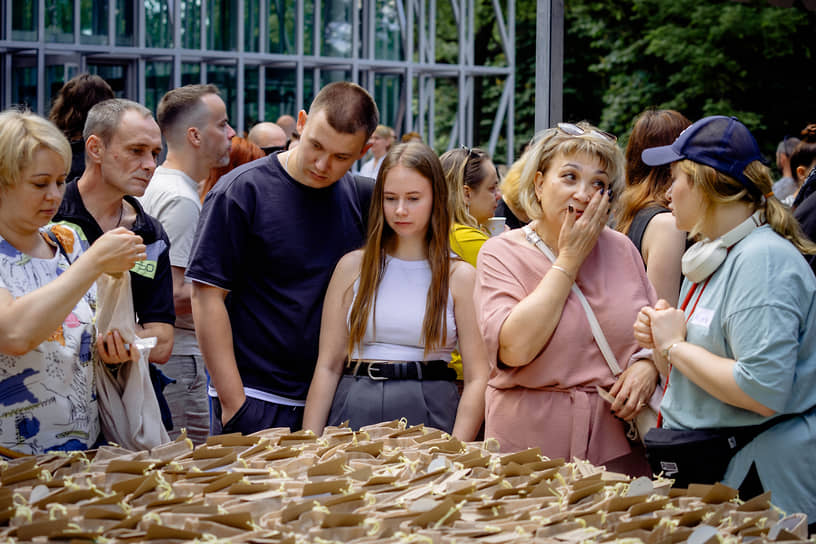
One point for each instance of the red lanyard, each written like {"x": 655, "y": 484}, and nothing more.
{"x": 683, "y": 307}
{"x": 688, "y": 297}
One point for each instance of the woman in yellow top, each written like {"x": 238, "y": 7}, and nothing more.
{"x": 473, "y": 192}
{"x": 473, "y": 188}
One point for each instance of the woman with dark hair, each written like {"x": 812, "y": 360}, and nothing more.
{"x": 70, "y": 109}
{"x": 473, "y": 188}
{"x": 740, "y": 352}
{"x": 803, "y": 168}
{"x": 395, "y": 310}
{"x": 802, "y": 161}
{"x": 242, "y": 151}
{"x": 642, "y": 212}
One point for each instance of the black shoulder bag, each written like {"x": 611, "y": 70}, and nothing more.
{"x": 699, "y": 456}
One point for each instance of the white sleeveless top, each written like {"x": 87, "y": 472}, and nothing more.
{"x": 400, "y": 311}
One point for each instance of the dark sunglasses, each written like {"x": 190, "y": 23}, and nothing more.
{"x": 273, "y": 148}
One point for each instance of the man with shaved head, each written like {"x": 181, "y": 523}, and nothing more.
{"x": 268, "y": 136}
{"x": 288, "y": 124}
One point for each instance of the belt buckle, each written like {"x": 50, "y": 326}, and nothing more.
{"x": 377, "y": 378}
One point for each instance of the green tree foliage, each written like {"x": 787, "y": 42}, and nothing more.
{"x": 751, "y": 60}
{"x": 748, "y": 59}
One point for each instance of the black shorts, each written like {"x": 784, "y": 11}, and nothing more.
{"x": 256, "y": 415}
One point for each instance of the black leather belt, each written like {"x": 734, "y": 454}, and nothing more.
{"x": 400, "y": 370}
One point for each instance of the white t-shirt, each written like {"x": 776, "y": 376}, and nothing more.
{"x": 371, "y": 168}
{"x": 396, "y": 334}
{"x": 172, "y": 198}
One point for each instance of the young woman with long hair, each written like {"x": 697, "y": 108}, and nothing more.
{"x": 642, "y": 213}
{"x": 395, "y": 310}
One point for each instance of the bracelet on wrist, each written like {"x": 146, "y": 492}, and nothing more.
{"x": 667, "y": 352}
{"x": 563, "y": 270}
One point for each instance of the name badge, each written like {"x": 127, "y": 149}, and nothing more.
{"x": 145, "y": 268}
{"x": 702, "y": 317}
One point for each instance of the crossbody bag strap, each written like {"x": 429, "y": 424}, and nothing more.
{"x": 597, "y": 331}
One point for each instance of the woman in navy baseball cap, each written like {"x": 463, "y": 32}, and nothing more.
{"x": 739, "y": 354}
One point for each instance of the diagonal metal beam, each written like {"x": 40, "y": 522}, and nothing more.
{"x": 498, "y": 120}
{"x": 504, "y": 37}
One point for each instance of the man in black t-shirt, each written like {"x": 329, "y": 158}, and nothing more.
{"x": 269, "y": 236}
{"x": 122, "y": 142}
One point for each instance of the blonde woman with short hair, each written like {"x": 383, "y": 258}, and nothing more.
{"x": 47, "y": 296}
{"x": 545, "y": 362}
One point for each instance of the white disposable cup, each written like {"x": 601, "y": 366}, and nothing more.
{"x": 495, "y": 225}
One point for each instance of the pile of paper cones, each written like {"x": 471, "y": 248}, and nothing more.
{"x": 386, "y": 483}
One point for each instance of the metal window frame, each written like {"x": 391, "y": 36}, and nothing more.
{"x": 418, "y": 22}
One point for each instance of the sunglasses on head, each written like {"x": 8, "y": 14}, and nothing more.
{"x": 574, "y": 130}
{"x": 471, "y": 151}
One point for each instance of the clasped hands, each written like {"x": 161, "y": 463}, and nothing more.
{"x": 660, "y": 326}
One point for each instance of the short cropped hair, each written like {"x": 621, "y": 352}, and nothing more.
{"x": 74, "y": 100}
{"x": 182, "y": 108}
{"x": 349, "y": 108}
{"x": 21, "y": 134}
{"x": 104, "y": 118}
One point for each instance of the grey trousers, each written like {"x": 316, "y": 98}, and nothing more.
{"x": 187, "y": 398}
{"x": 363, "y": 401}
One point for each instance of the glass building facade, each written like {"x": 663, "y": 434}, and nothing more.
{"x": 269, "y": 57}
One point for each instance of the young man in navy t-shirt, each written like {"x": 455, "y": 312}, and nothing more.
{"x": 269, "y": 236}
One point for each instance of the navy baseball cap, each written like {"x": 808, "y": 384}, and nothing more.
{"x": 723, "y": 143}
